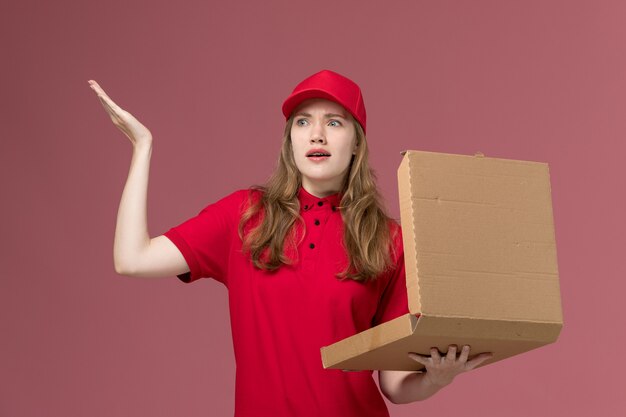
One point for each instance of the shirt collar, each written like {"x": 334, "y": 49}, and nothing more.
{"x": 308, "y": 200}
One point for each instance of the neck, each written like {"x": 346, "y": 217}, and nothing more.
{"x": 320, "y": 189}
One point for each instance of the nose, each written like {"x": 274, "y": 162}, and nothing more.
{"x": 317, "y": 135}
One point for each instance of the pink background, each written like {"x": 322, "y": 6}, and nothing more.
{"x": 532, "y": 80}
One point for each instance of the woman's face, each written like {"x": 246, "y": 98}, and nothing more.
{"x": 323, "y": 139}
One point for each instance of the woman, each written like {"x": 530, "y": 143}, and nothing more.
{"x": 308, "y": 259}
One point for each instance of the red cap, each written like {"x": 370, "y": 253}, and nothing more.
{"x": 331, "y": 86}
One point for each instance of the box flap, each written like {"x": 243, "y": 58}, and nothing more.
{"x": 482, "y": 237}
{"x": 388, "y": 333}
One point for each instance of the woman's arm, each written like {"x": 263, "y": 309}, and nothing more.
{"x": 131, "y": 230}
{"x": 401, "y": 387}
{"x": 134, "y": 253}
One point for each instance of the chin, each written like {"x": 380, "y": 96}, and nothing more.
{"x": 317, "y": 176}
{"x": 323, "y": 179}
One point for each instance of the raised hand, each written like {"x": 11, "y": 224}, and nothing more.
{"x": 137, "y": 133}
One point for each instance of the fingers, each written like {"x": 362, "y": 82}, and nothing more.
{"x": 96, "y": 87}
{"x": 451, "y": 355}
{"x": 434, "y": 354}
{"x": 464, "y": 353}
{"x": 106, "y": 101}
{"x": 478, "y": 360}
{"x": 106, "y": 105}
{"x": 424, "y": 360}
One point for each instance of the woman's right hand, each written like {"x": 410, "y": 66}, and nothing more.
{"x": 137, "y": 133}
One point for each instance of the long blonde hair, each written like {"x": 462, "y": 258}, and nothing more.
{"x": 366, "y": 236}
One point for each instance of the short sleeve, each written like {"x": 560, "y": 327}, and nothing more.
{"x": 206, "y": 239}
{"x": 394, "y": 300}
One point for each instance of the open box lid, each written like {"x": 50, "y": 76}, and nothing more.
{"x": 480, "y": 258}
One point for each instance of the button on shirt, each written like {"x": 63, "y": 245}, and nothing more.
{"x": 281, "y": 319}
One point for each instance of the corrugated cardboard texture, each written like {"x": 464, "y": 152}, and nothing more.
{"x": 480, "y": 259}
{"x": 482, "y": 233}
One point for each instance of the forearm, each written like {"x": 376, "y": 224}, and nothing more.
{"x": 131, "y": 230}
{"x": 414, "y": 387}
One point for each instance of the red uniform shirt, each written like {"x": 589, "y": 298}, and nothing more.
{"x": 281, "y": 319}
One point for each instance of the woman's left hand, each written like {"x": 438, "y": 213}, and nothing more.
{"x": 442, "y": 369}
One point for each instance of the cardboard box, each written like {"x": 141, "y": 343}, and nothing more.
{"x": 481, "y": 264}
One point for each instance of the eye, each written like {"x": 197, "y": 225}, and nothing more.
{"x": 336, "y": 121}
{"x": 300, "y": 120}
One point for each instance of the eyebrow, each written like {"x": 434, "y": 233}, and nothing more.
{"x": 327, "y": 115}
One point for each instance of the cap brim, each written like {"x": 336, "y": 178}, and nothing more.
{"x": 294, "y": 101}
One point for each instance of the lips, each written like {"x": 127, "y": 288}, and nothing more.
{"x": 317, "y": 153}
